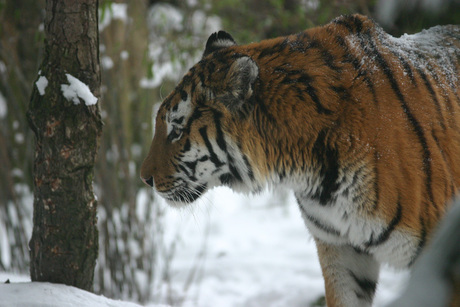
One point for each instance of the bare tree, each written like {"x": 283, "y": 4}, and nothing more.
{"x": 65, "y": 118}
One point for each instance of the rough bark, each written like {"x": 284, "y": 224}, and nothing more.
{"x": 64, "y": 243}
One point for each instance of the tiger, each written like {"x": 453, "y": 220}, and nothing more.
{"x": 362, "y": 126}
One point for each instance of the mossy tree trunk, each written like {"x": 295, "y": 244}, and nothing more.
{"x": 64, "y": 243}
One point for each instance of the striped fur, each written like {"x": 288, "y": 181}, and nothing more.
{"x": 362, "y": 126}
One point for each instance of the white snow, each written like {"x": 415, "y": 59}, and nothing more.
{"x": 124, "y": 55}
{"x": 76, "y": 90}
{"x": 432, "y": 41}
{"x": 165, "y": 17}
{"x": 2, "y": 67}
{"x": 250, "y": 251}
{"x": 169, "y": 59}
{"x": 19, "y": 138}
{"x": 202, "y": 23}
{"x": 5, "y": 252}
{"x": 41, "y": 84}
{"x": 114, "y": 11}
{"x": 192, "y": 3}
{"x": 38, "y": 294}
{"x": 237, "y": 251}
{"x": 3, "y": 106}
{"x": 16, "y": 172}
{"x": 106, "y": 62}
{"x": 310, "y": 4}
{"x": 160, "y": 72}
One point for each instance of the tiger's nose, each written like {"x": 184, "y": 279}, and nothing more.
{"x": 148, "y": 181}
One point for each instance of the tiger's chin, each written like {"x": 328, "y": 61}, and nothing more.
{"x": 179, "y": 198}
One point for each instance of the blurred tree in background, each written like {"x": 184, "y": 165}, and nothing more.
{"x": 21, "y": 35}
{"x": 145, "y": 47}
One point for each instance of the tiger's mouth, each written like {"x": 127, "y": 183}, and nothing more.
{"x": 183, "y": 195}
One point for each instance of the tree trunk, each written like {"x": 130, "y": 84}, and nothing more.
{"x": 64, "y": 243}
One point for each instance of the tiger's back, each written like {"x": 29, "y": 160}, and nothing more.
{"x": 385, "y": 112}
{"x": 362, "y": 126}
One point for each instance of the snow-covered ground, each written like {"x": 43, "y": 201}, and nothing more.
{"x": 27, "y": 294}
{"x": 248, "y": 251}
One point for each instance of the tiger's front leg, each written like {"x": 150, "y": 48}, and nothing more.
{"x": 350, "y": 276}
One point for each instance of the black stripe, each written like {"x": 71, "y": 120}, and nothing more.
{"x": 434, "y": 75}
{"x": 248, "y": 166}
{"x": 407, "y": 68}
{"x": 188, "y": 173}
{"x": 226, "y": 179}
{"x": 433, "y": 97}
{"x": 297, "y": 45}
{"x": 212, "y": 155}
{"x": 178, "y": 120}
{"x": 352, "y": 23}
{"x": 421, "y": 242}
{"x": 319, "y": 107}
{"x": 264, "y": 119}
{"x": 326, "y": 228}
{"x": 376, "y": 181}
{"x": 195, "y": 115}
{"x": 275, "y": 50}
{"x": 329, "y": 60}
{"x": 183, "y": 95}
{"x": 192, "y": 87}
{"x": 327, "y": 159}
{"x": 357, "y": 66}
{"x": 223, "y": 146}
{"x": 219, "y": 134}
{"x": 187, "y": 78}
{"x": 310, "y": 89}
{"x": 233, "y": 169}
{"x": 342, "y": 92}
{"x": 446, "y": 162}
{"x": 367, "y": 286}
{"x": 417, "y": 128}
{"x": 449, "y": 76}
{"x": 202, "y": 77}
{"x": 187, "y": 146}
{"x": 210, "y": 67}
{"x": 385, "y": 234}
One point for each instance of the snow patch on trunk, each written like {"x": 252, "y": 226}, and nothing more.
{"x": 41, "y": 84}
{"x": 76, "y": 90}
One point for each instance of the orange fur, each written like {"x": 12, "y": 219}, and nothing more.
{"x": 341, "y": 99}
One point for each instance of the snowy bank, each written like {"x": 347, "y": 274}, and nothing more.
{"x": 246, "y": 251}
{"x": 38, "y": 294}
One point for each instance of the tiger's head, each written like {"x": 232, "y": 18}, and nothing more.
{"x": 198, "y": 130}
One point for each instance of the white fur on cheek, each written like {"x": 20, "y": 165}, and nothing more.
{"x": 178, "y": 117}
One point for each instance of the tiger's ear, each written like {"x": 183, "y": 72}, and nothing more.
{"x": 239, "y": 84}
{"x": 217, "y": 41}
